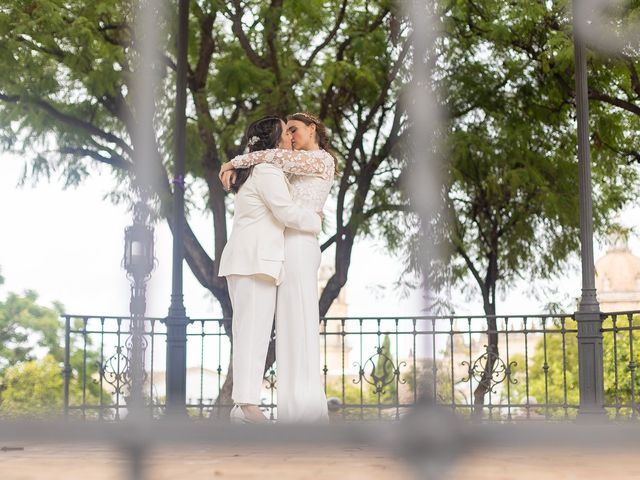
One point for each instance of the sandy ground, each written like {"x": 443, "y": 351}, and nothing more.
{"x": 49, "y": 462}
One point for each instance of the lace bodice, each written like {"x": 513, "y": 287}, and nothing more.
{"x": 310, "y": 173}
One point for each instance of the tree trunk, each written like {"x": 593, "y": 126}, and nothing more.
{"x": 344, "y": 247}
{"x": 271, "y": 351}
{"x": 224, "y": 401}
{"x": 490, "y": 355}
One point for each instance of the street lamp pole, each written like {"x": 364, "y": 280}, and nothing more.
{"x": 588, "y": 316}
{"x": 177, "y": 320}
{"x": 138, "y": 261}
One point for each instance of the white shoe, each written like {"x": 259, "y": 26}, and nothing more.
{"x": 238, "y": 416}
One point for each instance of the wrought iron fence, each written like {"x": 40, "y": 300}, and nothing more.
{"x": 621, "y": 353}
{"x": 372, "y": 368}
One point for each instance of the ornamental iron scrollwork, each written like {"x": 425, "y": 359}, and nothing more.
{"x": 118, "y": 369}
{"x": 115, "y": 371}
{"x": 500, "y": 371}
{"x": 270, "y": 379}
{"x": 379, "y": 371}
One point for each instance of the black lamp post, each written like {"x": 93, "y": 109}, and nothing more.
{"x": 177, "y": 319}
{"x": 588, "y": 317}
{"x": 138, "y": 261}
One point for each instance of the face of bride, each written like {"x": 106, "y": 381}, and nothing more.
{"x": 285, "y": 138}
{"x": 303, "y": 137}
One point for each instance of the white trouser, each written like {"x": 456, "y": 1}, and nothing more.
{"x": 253, "y": 298}
{"x": 301, "y": 396}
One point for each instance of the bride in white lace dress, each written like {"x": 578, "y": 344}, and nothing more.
{"x": 310, "y": 170}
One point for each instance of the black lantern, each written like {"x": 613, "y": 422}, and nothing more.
{"x": 138, "y": 258}
{"x": 138, "y": 251}
{"x": 138, "y": 245}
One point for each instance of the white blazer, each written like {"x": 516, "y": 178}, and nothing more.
{"x": 263, "y": 208}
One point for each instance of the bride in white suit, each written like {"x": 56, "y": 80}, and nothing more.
{"x": 253, "y": 262}
{"x": 310, "y": 170}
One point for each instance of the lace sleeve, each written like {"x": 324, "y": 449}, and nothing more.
{"x": 315, "y": 163}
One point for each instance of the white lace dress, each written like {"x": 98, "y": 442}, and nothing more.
{"x": 310, "y": 173}
{"x": 301, "y": 396}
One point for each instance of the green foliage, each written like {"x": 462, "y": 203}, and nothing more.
{"x": 506, "y": 72}
{"x": 32, "y": 388}
{"x": 552, "y": 372}
{"x": 31, "y": 360}
{"x": 26, "y": 327}
{"x": 68, "y": 91}
{"x": 350, "y": 393}
{"x": 35, "y": 388}
{"x": 620, "y": 335}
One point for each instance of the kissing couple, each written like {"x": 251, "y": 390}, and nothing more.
{"x": 271, "y": 263}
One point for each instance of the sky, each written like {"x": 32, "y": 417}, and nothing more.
{"x": 67, "y": 246}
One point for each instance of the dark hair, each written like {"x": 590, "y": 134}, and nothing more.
{"x": 322, "y": 137}
{"x": 262, "y": 134}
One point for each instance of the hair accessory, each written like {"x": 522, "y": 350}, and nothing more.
{"x": 253, "y": 140}
{"x": 305, "y": 115}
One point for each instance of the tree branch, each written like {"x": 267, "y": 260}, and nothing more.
{"x": 272, "y": 27}
{"x": 329, "y": 94}
{"x": 236, "y": 28}
{"x": 386, "y": 208}
{"x": 118, "y": 107}
{"x": 69, "y": 120}
{"x": 472, "y": 267}
{"x": 329, "y": 242}
{"x": 635, "y": 155}
{"x": 329, "y": 37}
{"x": 195, "y": 255}
{"x": 635, "y": 80}
{"x": 617, "y": 102}
{"x": 114, "y": 160}
{"x": 58, "y": 53}
{"x": 198, "y": 79}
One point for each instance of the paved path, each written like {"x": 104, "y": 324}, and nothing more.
{"x": 564, "y": 464}
{"x": 47, "y": 462}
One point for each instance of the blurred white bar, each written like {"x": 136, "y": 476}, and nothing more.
{"x": 424, "y": 116}
{"x": 595, "y": 21}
